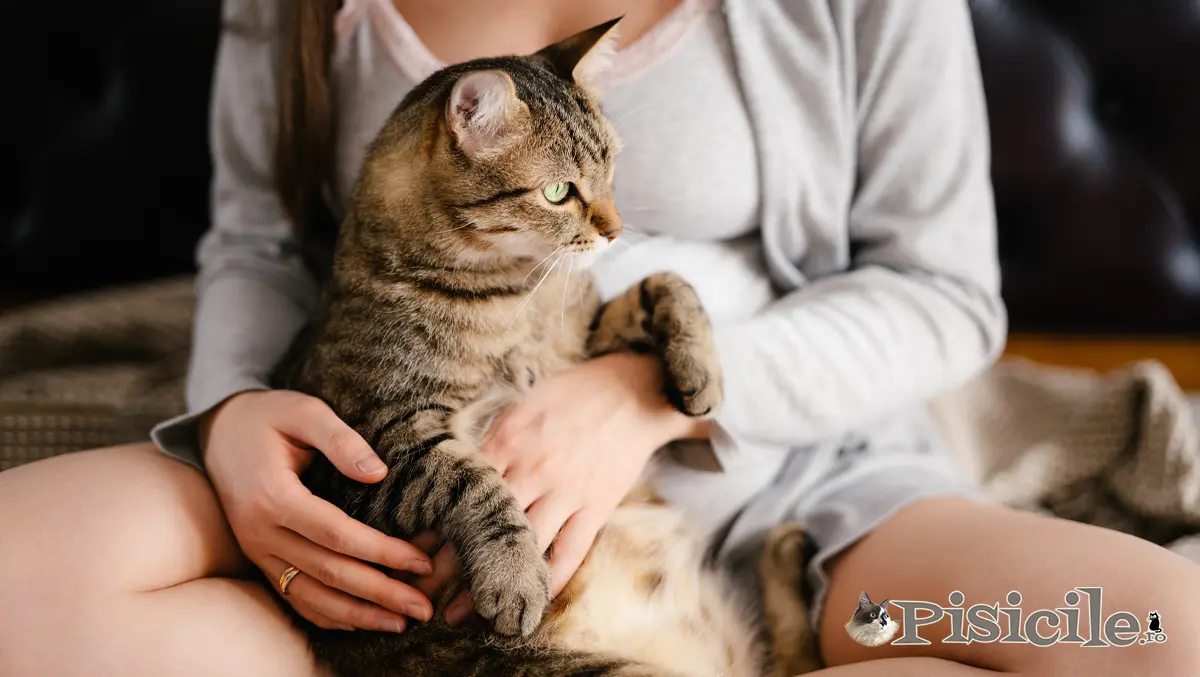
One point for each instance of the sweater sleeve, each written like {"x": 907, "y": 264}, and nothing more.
{"x": 919, "y": 309}
{"x": 254, "y": 291}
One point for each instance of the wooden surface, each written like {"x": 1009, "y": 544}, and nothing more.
{"x": 1180, "y": 355}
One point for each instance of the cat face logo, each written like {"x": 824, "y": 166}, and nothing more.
{"x": 871, "y": 625}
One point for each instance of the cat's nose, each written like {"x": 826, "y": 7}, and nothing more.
{"x": 606, "y": 219}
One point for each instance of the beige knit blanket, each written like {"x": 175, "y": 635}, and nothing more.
{"x": 1118, "y": 450}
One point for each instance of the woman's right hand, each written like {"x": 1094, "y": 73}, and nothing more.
{"x": 255, "y": 446}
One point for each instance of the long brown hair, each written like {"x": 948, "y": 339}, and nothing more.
{"x": 304, "y": 146}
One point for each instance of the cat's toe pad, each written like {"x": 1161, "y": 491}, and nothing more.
{"x": 512, "y": 595}
{"x": 693, "y": 388}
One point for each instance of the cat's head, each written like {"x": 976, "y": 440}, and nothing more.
{"x": 869, "y": 613}
{"x": 1154, "y": 615}
{"x": 516, "y": 151}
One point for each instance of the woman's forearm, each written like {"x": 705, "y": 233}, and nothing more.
{"x": 245, "y": 320}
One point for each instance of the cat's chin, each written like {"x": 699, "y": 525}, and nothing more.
{"x": 585, "y": 259}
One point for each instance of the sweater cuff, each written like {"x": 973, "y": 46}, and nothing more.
{"x": 179, "y": 437}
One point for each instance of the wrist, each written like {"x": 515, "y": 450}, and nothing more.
{"x": 205, "y": 421}
{"x": 644, "y": 374}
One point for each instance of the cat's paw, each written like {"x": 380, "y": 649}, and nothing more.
{"x": 693, "y": 378}
{"x": 510, "y": 585}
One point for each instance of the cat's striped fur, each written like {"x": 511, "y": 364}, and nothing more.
{"x": 443, "y": 307}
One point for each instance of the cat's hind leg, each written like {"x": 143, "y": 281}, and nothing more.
{"x": 794, "y": 648}
{"x": 662, "y": 314}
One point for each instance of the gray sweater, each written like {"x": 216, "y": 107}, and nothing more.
{"x": 876, "y": 222}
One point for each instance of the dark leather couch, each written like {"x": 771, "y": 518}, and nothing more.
{"x": 1094, "y": 104}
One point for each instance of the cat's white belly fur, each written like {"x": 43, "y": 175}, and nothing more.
{"x": 644, "y": 592}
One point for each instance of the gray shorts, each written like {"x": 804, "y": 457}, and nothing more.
{"x": 840, "y": 491}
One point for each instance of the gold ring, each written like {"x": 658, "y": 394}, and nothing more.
{"x": 285, "y": 579}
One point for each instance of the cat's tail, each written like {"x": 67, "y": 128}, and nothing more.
{"x": 445, "y": 651}
{"x": 781, "y": 572}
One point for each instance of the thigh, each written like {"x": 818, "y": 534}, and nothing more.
{"x": 940, "y": 545}
{"x": 125, "y": 519}
{"x": 119, "y": 562}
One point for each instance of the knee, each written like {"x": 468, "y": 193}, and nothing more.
{"x": 1173, "y": 653}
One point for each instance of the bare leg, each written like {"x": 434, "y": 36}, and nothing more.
{"x": 936, "y": 546}
{"x": 119, "y": 562}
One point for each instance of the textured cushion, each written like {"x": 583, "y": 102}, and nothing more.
{"x": 1095, "y": 116}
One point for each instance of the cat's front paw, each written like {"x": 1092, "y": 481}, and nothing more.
{"x": 694, "y": 383}
{"x": 510, "y": 585}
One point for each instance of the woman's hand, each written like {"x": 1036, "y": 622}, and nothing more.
{"x": 574, "y": 447}
{"x": 255, "y": 446}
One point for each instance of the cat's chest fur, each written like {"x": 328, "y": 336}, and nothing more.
{"x": 523, "y": 340}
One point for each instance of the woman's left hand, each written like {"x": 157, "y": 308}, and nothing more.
{"x": 574, "y": 447}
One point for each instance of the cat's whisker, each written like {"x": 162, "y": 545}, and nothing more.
{"x": 562, "y": 318}
{"x": 529, "y": 296}
{"x": 582, "y": 287}
{"x": 539, "y": 263}
{"x": 643, "y": 109}
{"x": 659, "y": 206}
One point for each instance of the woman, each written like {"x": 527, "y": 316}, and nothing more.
{"x": 818, "y": 169}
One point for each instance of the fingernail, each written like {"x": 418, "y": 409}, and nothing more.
{"x": 348, "y": 628}
{"x": 392, "y": 626}
{"x": 457, "y": 613}
{"x": 370, "y": 464}
{"x": 417, "y": 611}
{"x": 420, "y": 567}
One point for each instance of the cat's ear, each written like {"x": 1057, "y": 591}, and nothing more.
{"x": 884, "y": 603}
{"x": 586, "y": 56}
{"x": 864, "y": 601}
{"x": 482, "y": 111}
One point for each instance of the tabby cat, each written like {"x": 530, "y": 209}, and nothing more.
{"x": 490, "y": 177}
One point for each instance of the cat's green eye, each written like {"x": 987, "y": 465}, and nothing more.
{"x": 556, "y": 192}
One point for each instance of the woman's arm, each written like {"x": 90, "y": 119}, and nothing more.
{"x": 254, "y": 290}
{"x": 254, "y": 295}
{"x": 920, "y": 309}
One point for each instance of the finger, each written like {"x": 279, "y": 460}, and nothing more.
{"x": 524, "y": 485}
{"x": 324, "y": 524}
{"x": 547, "y": 517}
{"x": 460, "y": 609}
{"x": 525, "y": 491}
{"x": 496, "y": 445}
{"x": 445, "y": 567}
{"x": 315, "y": 600}
{"x": 352, "y": 577}
{"x": 320, "y": 620}
{"x": 570, "y": 548}
{"x": 318, "y": 426}
{"x": 428, "y": 542}
{"x": 495, "y": 460}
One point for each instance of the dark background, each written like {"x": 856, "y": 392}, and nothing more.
{"x": 1094, "y": 106}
